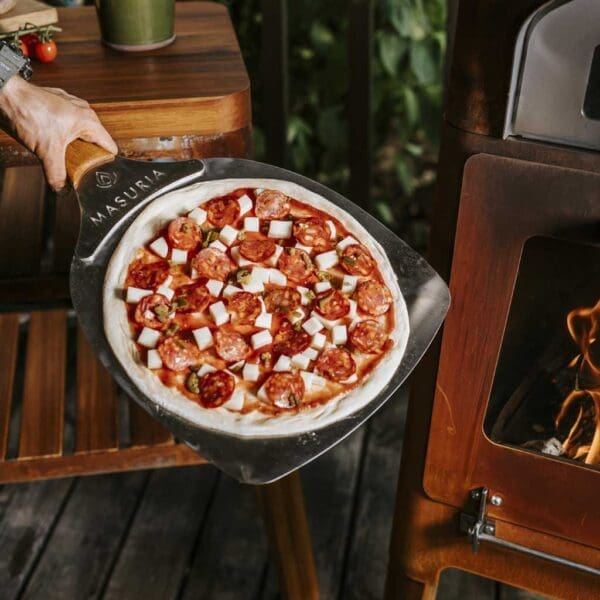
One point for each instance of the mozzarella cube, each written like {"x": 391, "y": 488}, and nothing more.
{"x": 280, "y": 229}
{"x": 306, "y": 295}
{"x": 236, "y": 366}
{"x": 154, "y": 360}
{"x": 239, "y": 259}
{"x": 254, "y": 286}
{"x": 339, "y": 335}
{"x": 179, "y": 257}
{"x": 326, "y": 322}
{"x": 332, "y": 229}
{"x": 148, "y": 337}
{"x": 322, "y": 286}
{"x": 214, "y": 287}
{"x": 354, "y": 323}
{"x": 250, "y": 372}
{"x": 203, "y": 337}
{"x": 261, "y": 274}
{"x": 349, "y": 284}
{"x": 198, "y": 215}
{"x": 326, "y": 260}
{"x": 236, "y": 402}
{"x": 166, "y": 291}
{"x": 230, "y": 290}
{"x": 272, "y": 261}
{"x": 318, "y": 341}
{"x": 264, "y": 320}
{"x": 276, "y": 277}
{"x": 160, "y": 247}
{"x": 134, "y": 295}
{"x": 218, "y": 245}
{"x": 300, "y": 361}
{"x": 312, "y": 326}
{"x": 204, "y": 369}
{"x": 283, "y": 363}
{"x": 308, "y": 379}
{"x": 219, "y": 313}
{"x": 262, "y": 393}
{"x": 311, "y": 353}
{"x": 318, "y": 381}
{"x": 258, "y": 191}
{"x": 352, "y": 379}
{"x": 307, "y": 249}
{"x": 252, "y": 224}
{"x": 347, "y": 241}
{"x": 228, "y": 235}
{"x": 245, "y": 204}
{"x": 296, "y": 315}
{"x": 352, "y": 312}
{"x": 260, "y": 339}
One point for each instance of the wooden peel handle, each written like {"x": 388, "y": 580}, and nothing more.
{"x": 81, "y": 157}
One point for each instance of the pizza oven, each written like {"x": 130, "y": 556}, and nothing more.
{"x": 513, "y": 444}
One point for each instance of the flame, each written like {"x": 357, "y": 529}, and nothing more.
{"x": 584, "y": 399}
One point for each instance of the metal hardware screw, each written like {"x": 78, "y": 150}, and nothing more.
{"x": 496, "y": 500}
{"x": 475, "y": 494}
{"x": 489, "y": 529}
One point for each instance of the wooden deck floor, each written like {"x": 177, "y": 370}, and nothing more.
{"x": 192, "y": 533}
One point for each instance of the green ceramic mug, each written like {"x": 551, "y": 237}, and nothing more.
{"x": 134, "y": 25}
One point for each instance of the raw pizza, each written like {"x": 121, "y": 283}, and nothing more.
{"x": 254, "y": 307}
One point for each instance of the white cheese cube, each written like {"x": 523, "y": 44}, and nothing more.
{"x": 312, "y": 326}
{"x": 326, "y": 322}
{"x": 236, "y": 366}
{"x": 168, "y": 281}
{"x": 262, "y": 393}
{"x": 296, "y": 315}
{"x": 300, "y": 361}
{"x": 203, "y": 337}
{"x": 311, "y": 352}
{"x": 260, "y": 339}
{"x": 166, "y": 291}
{"x": 305, "y": 295}
{"x": 276, "y": 277}
{"x": 239, "y": 259}
{"x": 245, "y": 204}
{"x": 352, "y": 312}
{"x": 318, "y": 341}
{"x": 264, "y": 320}
{"x": 178, "y": 256}
{"x": 250, "y": 372}
{"x": 148, "y": 337}
{"x": 214, "y": 287}
{"x": 198, "y": 215}
{"x": 194, "y": 273}
{"x": 339, "y": 335}
{"x": 272, "y": 261}
{"x": 160, "y": 247}
{"x": 230, "y": 290}
{"x": 332, "y": 229}
{"x": 204, "y": 369}
{"x": 236, "y": 402}
{"x": 154, "y": 359}
{"x": 218, "y": 245}
{"x": 306, "y": 249}
{"x": 228, "y": 235}
{"x": 308, "y": 379}
{"x": 251, "y": 224}
{"x": 354, "y": 323}
{"x": 283, "y": 363}
{"x": 349, "y": 284}
{"x": 347, "y": 241}
{"x": 322, "y": 286}
{"x": 261, "y": 274}
{"x": 326, "y": 260}
{"x": 280, "y": 229}
{"x": 352, "y": 379}
{"x": 318, "y": 381}
{"x": 134, "y": 295}
{"x": 219, "y": 313}
{"x": 254, "y": 286}
{"x": 258, "y": 191}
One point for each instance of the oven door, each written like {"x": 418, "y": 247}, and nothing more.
{"x": 526, "y": 235}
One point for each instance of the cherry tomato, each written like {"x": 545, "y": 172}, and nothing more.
{"x": 46, "y": 51}
{"x": 24, "y": 48}
{"x": 30, "y": 40}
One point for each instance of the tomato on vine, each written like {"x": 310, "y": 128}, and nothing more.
{"x": 24, "y": 48}
{"x": 29, "y": 41}
{"x": 46, "y": 51}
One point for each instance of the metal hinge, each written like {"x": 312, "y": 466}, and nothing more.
{"x": 480, "y": 528}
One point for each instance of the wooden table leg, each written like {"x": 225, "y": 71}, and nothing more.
{"x": 402, "y": 587}
{"x": 289, "y": 539}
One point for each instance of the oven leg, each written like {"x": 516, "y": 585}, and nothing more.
{"x": 289, "y": 539}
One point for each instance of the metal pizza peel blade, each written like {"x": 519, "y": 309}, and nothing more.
{"x": 113, "y": 190}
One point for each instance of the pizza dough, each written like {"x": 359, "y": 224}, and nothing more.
{"x": 331, "y": 361}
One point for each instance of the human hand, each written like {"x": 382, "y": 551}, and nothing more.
{"x": 46, "y": 121}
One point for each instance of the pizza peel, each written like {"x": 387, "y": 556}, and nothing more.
{"x": 113, "y": 190}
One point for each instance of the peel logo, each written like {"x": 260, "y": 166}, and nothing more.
{"x": 105, "y": 180}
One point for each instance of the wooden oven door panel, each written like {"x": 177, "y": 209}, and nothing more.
{"x": 504, "y": 202}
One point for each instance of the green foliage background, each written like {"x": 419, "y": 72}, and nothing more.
{"x": 409, "y": 45}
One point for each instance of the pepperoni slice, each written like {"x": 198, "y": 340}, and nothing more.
{"x": 194, "y": 297}
{"x": 296, "y": 265}
{"x": 356, "y": 260}
{"x": 257, "y": 250}
{"x": 178, "y": 354}
{"x": 336, "y": 364}
{"x": 368, "y": 336}
{"x": 184, "y": 233}
{"x": 288, "y": 341}
{"x": 285, "y": 390}
{"x": 282, "y": 300}
{"x": 373, "y": 297}
{"x": 314, "y": 232}
{"x": 213, "y": 264}
{"x": 216, "y": 388}
{"x": 231, "y": 346}
{"x": 153, "y": 311}
{"x": 271, "y": 204}
{"x": 245, "y": 306}
{"x": 332, "y": 304}
{"x": 149, "y": 276}
{"x": 222, "y": 211}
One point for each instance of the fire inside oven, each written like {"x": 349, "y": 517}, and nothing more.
{"x": 546, "y": 392}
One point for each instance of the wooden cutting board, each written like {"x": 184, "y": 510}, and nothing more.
{"x": 28, "y": 11}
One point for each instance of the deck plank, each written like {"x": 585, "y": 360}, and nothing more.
{"x": 154, "y": 557}
{"x": 9, "y": 334}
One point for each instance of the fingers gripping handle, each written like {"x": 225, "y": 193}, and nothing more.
{"x": 81, "y": 157}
